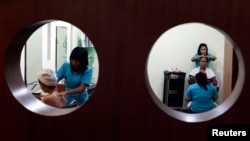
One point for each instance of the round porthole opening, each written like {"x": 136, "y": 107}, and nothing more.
{"x": 48, "y": 45}
{"x": 169, "y": 65}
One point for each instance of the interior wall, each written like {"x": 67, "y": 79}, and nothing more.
{"x": 123, "y": 33}
{"x": 33, "y": 58}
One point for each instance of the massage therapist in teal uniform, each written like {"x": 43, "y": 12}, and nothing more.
{"x": 77, "y": 75}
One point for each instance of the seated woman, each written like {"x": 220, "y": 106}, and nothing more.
{"x": 203, "y": 68}
{"x": 201, "y": 94}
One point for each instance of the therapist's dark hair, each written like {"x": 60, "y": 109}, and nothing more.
{"x": 81, "y": 54}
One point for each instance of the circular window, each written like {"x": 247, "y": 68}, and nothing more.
{"x": 37, "y": 63}
{"x": 170, "y": 64}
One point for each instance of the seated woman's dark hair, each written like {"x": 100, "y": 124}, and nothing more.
{"x": 80, "y": 53}
{"x": 201, "y": 79}
{"x": 205, "y": 58}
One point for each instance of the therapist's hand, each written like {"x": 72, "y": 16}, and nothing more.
{"x": 64, "y": 93}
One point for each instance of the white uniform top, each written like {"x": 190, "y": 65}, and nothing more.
{"x": 209, "y": 72}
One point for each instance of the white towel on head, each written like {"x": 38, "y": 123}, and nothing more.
{"x": 48, "y": 77}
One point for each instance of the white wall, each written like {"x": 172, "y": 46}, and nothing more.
{"x": 176, "y": 46}
{"x": 33, "y": 49}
